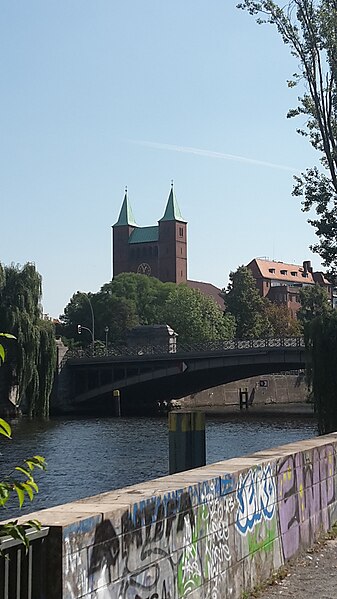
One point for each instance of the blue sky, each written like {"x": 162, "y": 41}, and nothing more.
{"x": 97, "y": 95}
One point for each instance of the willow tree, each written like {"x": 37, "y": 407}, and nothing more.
{"x": 31, "y": 364}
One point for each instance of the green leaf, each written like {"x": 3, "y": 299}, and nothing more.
{"x": 2, "y": 353}
{"x": 4, "y": 493}
{"x": 8, "y": 335}
{"x": 34, "y": 524}
{"x": 16, "y": 531}
{"x": 24, "y": 471}
{"x": 36, "y": 461}
{"x": 20, "y": 493}
{"x": 28, "y": 490}
{"x": 33, "y": 484}
{"x": 5, "y": 429}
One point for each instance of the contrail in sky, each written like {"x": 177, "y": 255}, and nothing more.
{"x": 211, "y": 154}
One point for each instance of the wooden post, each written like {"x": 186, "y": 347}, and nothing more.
{"x": 187, "y": 441}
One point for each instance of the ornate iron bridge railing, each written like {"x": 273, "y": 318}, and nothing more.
{"x": 119, "y": 351}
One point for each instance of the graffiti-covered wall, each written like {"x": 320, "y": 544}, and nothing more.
{"x": 212, "y": 532}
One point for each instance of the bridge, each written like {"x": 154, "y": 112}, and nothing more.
{"x": 146, "y": 374}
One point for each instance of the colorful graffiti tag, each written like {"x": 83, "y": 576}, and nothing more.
{"x": 256, "y": 497}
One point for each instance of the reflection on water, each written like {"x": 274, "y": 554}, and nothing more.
{"x": 89, "y": 456}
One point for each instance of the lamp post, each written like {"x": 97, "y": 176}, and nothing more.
{"x": 92, "y": 330}
{"x": 106, "y": 330}
{"x": 79, "y": 330}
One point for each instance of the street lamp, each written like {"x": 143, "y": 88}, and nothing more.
{"x": 79, "y": 330}
{"x": 92, "y": 330}
{"x": 106, "y": 330}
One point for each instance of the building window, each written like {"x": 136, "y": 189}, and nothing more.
{"x": 272, "y": 270}
{"x": 181, "y": 273}
{"x": 294, "y": 273}
{"x": 181, "y": 250}
{"x": 181, "y": 232}
{"x": 283, "y": 272}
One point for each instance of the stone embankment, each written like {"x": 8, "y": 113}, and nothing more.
{"x": 213, "y": 532}
{"x": 263, "y": 391}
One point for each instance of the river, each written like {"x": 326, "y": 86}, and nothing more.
{"x": 90, "y": 456}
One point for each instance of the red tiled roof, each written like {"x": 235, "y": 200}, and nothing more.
{"x": 208, "y": 289}
{"x": 292, "y": 272}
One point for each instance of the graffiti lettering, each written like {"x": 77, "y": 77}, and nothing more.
{"x": 256, "y": 496}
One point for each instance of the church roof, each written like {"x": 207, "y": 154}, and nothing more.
{"x": 172, "y": 210}
{"x": 126, "y": 215}
{"x": 144, "y": 234}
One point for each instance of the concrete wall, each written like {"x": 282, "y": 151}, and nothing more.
{"x": 262, "y": 390}
{"x": 212, "y": 532}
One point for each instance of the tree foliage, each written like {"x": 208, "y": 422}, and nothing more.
{"x": 196, "y": 317}
{"x": 244, "y": 302}
{"x": 31, "y": 367}
{"x": 132, "y": 299}
{"x": 315, "y": 302}
{"x": 281, "y": 321}
{"x": 309, "y": 28}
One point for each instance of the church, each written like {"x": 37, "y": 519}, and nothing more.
{"x": 159, "y": 251}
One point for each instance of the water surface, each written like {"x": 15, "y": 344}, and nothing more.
{"x": 90, "y": 456}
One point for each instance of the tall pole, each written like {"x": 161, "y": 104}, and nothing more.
{"x": 92, "y": 317}
{"x": 111, "y": 253}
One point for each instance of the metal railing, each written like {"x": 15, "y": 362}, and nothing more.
{"x": 201, "y": 347}
{"x": 23, "y": 572}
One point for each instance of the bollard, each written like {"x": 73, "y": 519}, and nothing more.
{"x": 116, "y": 396}
{"x": 187, "y": 441}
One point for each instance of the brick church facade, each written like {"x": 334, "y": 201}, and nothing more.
{"x": 159, "y": 251}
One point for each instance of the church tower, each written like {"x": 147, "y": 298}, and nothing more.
{"x": 122, "y": 230}
{"x": 172, "y": 243}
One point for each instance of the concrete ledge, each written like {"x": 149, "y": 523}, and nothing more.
{"x": 209, "y": 532}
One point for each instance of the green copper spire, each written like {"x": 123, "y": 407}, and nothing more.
{"x": 126, "y": 215}
{"x": 172, "y": 210}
